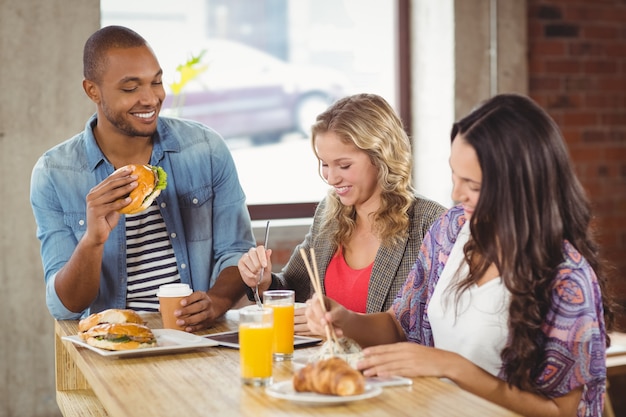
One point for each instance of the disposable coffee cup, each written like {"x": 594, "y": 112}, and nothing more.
{"x": 169, "y": 301}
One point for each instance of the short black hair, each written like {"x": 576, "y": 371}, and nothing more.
{"x": 100, "y": 42}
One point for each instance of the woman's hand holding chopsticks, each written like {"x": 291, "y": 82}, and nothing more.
{"x": 327, "y": 317}
{"x": 317, "y": 287}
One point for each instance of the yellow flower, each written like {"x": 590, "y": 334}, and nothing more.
{"x": 188, "y": 72}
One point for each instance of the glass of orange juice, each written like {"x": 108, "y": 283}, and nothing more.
{"x": 282, "y": 302}
{"x": 256, "y": 340}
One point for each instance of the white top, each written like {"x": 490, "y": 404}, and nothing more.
{"x": 476, "y": 328}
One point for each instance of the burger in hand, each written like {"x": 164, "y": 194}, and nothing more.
{"x": 150, "y": 181}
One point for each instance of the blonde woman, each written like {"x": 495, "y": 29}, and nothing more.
{"x": 367, "y": 231}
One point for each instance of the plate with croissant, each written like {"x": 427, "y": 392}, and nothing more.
{"x": 328, "y": 381}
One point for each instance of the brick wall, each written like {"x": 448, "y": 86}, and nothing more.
{"x": 577, "y": 71}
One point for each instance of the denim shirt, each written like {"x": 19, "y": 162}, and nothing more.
{"x": 203, "y": 207}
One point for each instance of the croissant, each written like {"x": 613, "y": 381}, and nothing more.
{"x": 333, "y": 376}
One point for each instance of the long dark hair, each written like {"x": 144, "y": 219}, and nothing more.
{"x": 530, "y": 202}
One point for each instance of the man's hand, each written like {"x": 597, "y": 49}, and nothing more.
{"x": 77, "y": 283}
{"x": 103, "y": 202}
{"x": 200, "y": 310}
{"x": 196, "y": 312}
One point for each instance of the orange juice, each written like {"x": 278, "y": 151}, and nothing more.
{"x": 283, "y": 328}
{"x": 255, "y": 350}
{"x": 282, "y": 303}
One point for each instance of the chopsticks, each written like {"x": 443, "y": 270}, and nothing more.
{"x": 317, "y": 287}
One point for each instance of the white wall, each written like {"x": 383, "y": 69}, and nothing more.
{"x": 463, "y": 51}
{"x": 433, "y": 96}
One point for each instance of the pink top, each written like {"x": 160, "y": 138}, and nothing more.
{"x": 345, "y": 285}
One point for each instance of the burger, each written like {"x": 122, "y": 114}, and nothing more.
{"x": 116, "y": 329}
{"x": 150, "y": 181}
{"x": 112, "y": 315}
{"x": 119, "y": 336}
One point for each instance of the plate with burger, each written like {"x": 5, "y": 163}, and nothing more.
{"x": 122, "y": 333}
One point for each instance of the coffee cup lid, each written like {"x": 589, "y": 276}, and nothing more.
{"x": 174, "y": 290}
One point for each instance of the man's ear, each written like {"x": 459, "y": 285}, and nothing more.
{"x": 92, "y": 91}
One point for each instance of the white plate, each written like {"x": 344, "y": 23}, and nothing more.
{"x": 284, "y": 390}
{"x": 295, "y": 305}
{"x": 299, "y": 362}
{"x": 234, "y": 314}
{"x": 168, "y": 341}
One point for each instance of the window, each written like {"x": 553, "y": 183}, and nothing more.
{"x": 268, "y": 67}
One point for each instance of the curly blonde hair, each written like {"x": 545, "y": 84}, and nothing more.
{"x": 370, "y": 123}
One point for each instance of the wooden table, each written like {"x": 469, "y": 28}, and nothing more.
{"x": 615, "y": 366}
{"x": 616, "y": 359}
{"x": 206, "y": 382}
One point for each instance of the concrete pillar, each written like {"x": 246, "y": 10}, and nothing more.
{"x": 464, "y": 51}
{"x": 41, "y": 104}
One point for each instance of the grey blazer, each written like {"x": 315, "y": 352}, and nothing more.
{"x": 391, "y": 265}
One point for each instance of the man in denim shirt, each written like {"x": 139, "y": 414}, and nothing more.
{"x": 78, "y": 186}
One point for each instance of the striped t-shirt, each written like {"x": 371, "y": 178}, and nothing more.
{"x": 150, "y": 259}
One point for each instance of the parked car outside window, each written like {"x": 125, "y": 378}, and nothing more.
{"x": 245, "y": 92}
